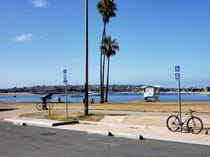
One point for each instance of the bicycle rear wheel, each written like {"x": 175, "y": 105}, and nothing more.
{"x": 195, "y": 125}
{"x": 172, "y": 123}
{"x": 39, "y": 106}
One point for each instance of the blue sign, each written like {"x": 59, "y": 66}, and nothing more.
{"x": 177, "y": 69}
{"x": 177, "y": 76}
{"x": 65, "y": 77}
{"x": 65, "y": 81}
{"x": 177, "y": 73}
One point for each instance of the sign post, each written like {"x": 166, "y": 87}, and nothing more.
{"x": 177, "y": 77}
{"x": 65, "y": 81}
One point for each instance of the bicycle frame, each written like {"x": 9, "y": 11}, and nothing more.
{"x": 181, "y": 123}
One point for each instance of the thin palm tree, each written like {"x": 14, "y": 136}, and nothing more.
{"x": 106, "y": 9}
{"x": 108, "y": 48}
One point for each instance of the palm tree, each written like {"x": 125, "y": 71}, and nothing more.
{"x": 108, "y": 48}
{"x": 106, "y": 9}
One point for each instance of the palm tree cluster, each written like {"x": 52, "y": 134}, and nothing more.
{"x": 107, "y": 9}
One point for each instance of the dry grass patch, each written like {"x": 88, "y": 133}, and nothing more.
{"x": 61, "y": 116}
{"x": 203, "y": 107}
{"x": 137, "y": 106}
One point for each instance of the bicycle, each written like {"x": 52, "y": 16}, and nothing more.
{"x": 39, "y": 106}
{"x": 194, "y": 123}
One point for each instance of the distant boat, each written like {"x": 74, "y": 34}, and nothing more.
{"x": 75, "y": 95}
{"x": 124, "y": 93}
{"x": 93, "y": 94}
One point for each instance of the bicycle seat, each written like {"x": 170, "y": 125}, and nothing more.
{"x": 191, "y": 111}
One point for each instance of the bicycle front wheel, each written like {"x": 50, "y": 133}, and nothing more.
{"x": 172, "y": 123}
{"x": 195, "y": 125}
{"x": 39, "y": 106}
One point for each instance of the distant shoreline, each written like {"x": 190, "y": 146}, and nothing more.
{"x": 170, "y": 92}
{"x": 205, "y": 93}
{"x": 183, "y": 92}
{"x": 17, "y": 94}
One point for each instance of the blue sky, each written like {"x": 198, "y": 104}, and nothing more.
{"x": 40, "y": 38}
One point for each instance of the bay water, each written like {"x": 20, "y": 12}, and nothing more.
{"x": 113, "y": 97}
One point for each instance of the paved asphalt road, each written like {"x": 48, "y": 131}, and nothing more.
{"x": 30, "y": 141}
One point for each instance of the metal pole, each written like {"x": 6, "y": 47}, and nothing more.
{"x": 179, "y": 99}
{"x": 86, "y": 59}
{"x": 66, "y": 102}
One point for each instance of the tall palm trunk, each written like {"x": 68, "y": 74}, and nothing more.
{"x": 107, "y": 81}
{"x": 101, "y": 81}
{"x": 102, "y": 67}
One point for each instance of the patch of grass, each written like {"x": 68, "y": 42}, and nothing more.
{"x": 58, "y": 117}
{"x": 91, "y": 117}
{"x": 61, "y": 116}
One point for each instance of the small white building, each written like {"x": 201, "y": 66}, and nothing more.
{"x": 151, "y": 92}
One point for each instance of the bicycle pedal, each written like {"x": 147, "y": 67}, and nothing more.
{"x": 185, "y": 130}
{"x": 182, "y": 124}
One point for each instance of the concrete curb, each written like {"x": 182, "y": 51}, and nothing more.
{"x": 28, "y": 122}
{"x": 65, "y": 123}
{"x": 39, "y": 122}
{"x": 153, "y": 137}
{"x": 114, "y": 134}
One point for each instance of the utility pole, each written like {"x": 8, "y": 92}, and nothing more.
{"x": 86, "y": 59}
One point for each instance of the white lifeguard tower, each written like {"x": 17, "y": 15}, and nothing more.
{"x": 151, "y": 92}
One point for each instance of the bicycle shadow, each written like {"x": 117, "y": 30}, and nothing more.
{"x": 3, "y": 109}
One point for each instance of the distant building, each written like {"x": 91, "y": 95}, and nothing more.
{"x": 206, "y": 89}
{"x": 151, "y": 92}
